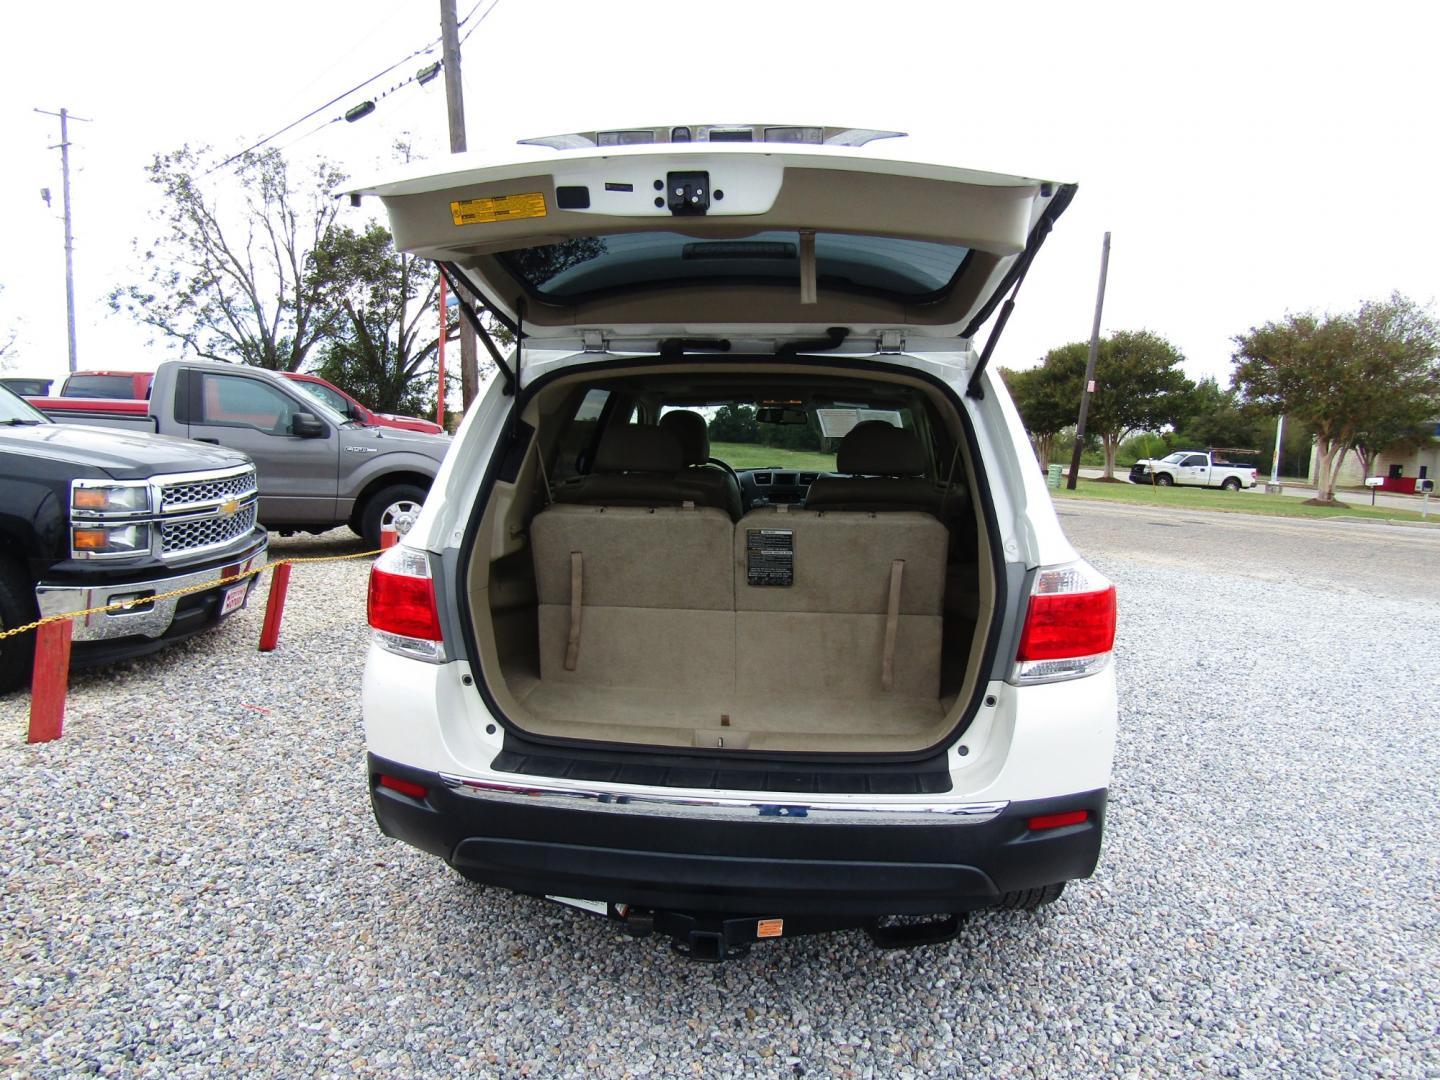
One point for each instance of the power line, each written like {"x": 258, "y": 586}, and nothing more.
{"x": 357, "y": 112}
{"x": 493, "y": 4}
{"x": 340, "y": 97}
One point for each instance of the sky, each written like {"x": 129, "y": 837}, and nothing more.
{"x": 1249, "y": 159}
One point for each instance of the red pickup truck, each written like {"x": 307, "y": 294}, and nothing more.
{"x": 135, "y": 385}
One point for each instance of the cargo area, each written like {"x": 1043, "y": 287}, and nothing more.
{"x": 627, "y": 586}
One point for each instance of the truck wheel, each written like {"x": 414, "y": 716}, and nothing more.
{"x": 394, "y": 507}
{"x": 1164, "y": 479}
{"x": 1231, "y": 484}
{"x": 17, "y": 607}
{"x": 1030, "y": 899}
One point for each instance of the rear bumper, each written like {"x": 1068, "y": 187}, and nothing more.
{"x": 772, "y": 860}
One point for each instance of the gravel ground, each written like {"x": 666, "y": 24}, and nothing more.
{"x": 192, "y": 883}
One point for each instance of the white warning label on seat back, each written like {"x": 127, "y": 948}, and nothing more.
{"x": 770, "y": 556}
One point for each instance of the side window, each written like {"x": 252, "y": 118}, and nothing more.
{"x": 591, "y": 406}
{"x": 1195, "y": 459}
{"x": 240, "y": 402}
{"x": 578, "y": 435}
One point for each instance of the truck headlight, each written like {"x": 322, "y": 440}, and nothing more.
{"x": 90, "y": 498}
{"x": 89, "y": 540}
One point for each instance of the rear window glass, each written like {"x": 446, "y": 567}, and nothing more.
{"x": 874, "y": 264}
{"x": 100, "y": 386}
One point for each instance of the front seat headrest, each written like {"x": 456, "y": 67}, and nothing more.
{"x": 876, "y": 448}
{"x": 633, "y": 448}
{"x": 692, "y": 431}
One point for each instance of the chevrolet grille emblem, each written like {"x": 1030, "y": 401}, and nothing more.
{"x": 228, "y": 508}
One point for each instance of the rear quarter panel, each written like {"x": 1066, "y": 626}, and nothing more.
{"x": 1017, "y": 484}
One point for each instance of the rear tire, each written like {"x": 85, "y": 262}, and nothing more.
{"x": 1030, "y": 899}
{"x": 398, "y": 504}
{"x": 1163, "y": 479}
{"x": 17, "y": 607}
{"x": 1230, "y": 484}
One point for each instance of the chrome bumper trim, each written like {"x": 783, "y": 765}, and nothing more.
{"x": 867, "y": 811}
{"x": 149, "y": 622}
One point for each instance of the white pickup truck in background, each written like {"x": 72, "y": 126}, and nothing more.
{"x": 1193, "y": 468}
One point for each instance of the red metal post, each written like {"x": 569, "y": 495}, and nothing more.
{"x": 49, "y": 681}
{"x": 275, "y": 606}
{"x": 444, "y": 329}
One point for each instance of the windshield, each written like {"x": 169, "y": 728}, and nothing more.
{"x": 324, "y": 395}
{"x": 15, "y": 410}
{"x": 1177, "y": 457}
{"x": 745, "y": 435}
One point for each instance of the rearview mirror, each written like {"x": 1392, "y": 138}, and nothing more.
{"x": 772, "y": 414}
{"x": 307, "y": 426}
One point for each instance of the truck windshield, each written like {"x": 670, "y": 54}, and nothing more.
{"x": 15, "y": 410}
{"x": 325, "y": 396}
{"x": 1174, "y": 459}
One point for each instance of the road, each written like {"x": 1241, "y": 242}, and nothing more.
{"x": 1298, "y": 491}
{"x": 1357, "y": 557}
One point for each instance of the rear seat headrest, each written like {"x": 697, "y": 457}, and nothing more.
{"x": 692, "y": 431}
{"x": 633, "y": 448}
{"x": 876, "y": 448}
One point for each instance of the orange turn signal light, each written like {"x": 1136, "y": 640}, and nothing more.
{"x": 90, "y": 539}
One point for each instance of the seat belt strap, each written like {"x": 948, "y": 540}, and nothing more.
{"x": 540, "y": 460}
{"x": 892, "y": 625}
{"x": 572, "y": 643}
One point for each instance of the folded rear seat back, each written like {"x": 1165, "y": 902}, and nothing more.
{"x": 826, "y": 632}
{"x": 657, "y": 596}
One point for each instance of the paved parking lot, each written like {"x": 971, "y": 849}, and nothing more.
{"x": 190, "y": 882}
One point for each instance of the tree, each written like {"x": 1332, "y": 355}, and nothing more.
{"x": 1047, "y": 406}
{"x": 1138, "y": 386}
{"x": 1361, "y": 378}
{"x": 236, "y": 284}
{"x": 735, "y": 423}
{"x": 1213, "y": 417}
{"x": 384, "y": 330}
{"x": 1400, "y": 337}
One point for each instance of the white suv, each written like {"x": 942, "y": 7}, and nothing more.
{"x": 739, "y": 608}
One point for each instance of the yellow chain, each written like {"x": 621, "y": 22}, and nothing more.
{"x": 122, "y": 605}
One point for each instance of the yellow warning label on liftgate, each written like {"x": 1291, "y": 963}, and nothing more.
{"x": 501, "y": 208}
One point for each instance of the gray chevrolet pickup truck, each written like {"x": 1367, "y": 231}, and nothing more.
{"x": 317, "y": 469}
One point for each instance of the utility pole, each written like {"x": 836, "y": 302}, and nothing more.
{"x": 1089, "y": 368}
{"x": 1273, "y": 488}
{"x": 65, "y": 119}
{"x": 455, "y": 107}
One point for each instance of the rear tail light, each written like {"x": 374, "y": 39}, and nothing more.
{"x": 1069, "y": 625}
{"x": 401, "y": 605}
